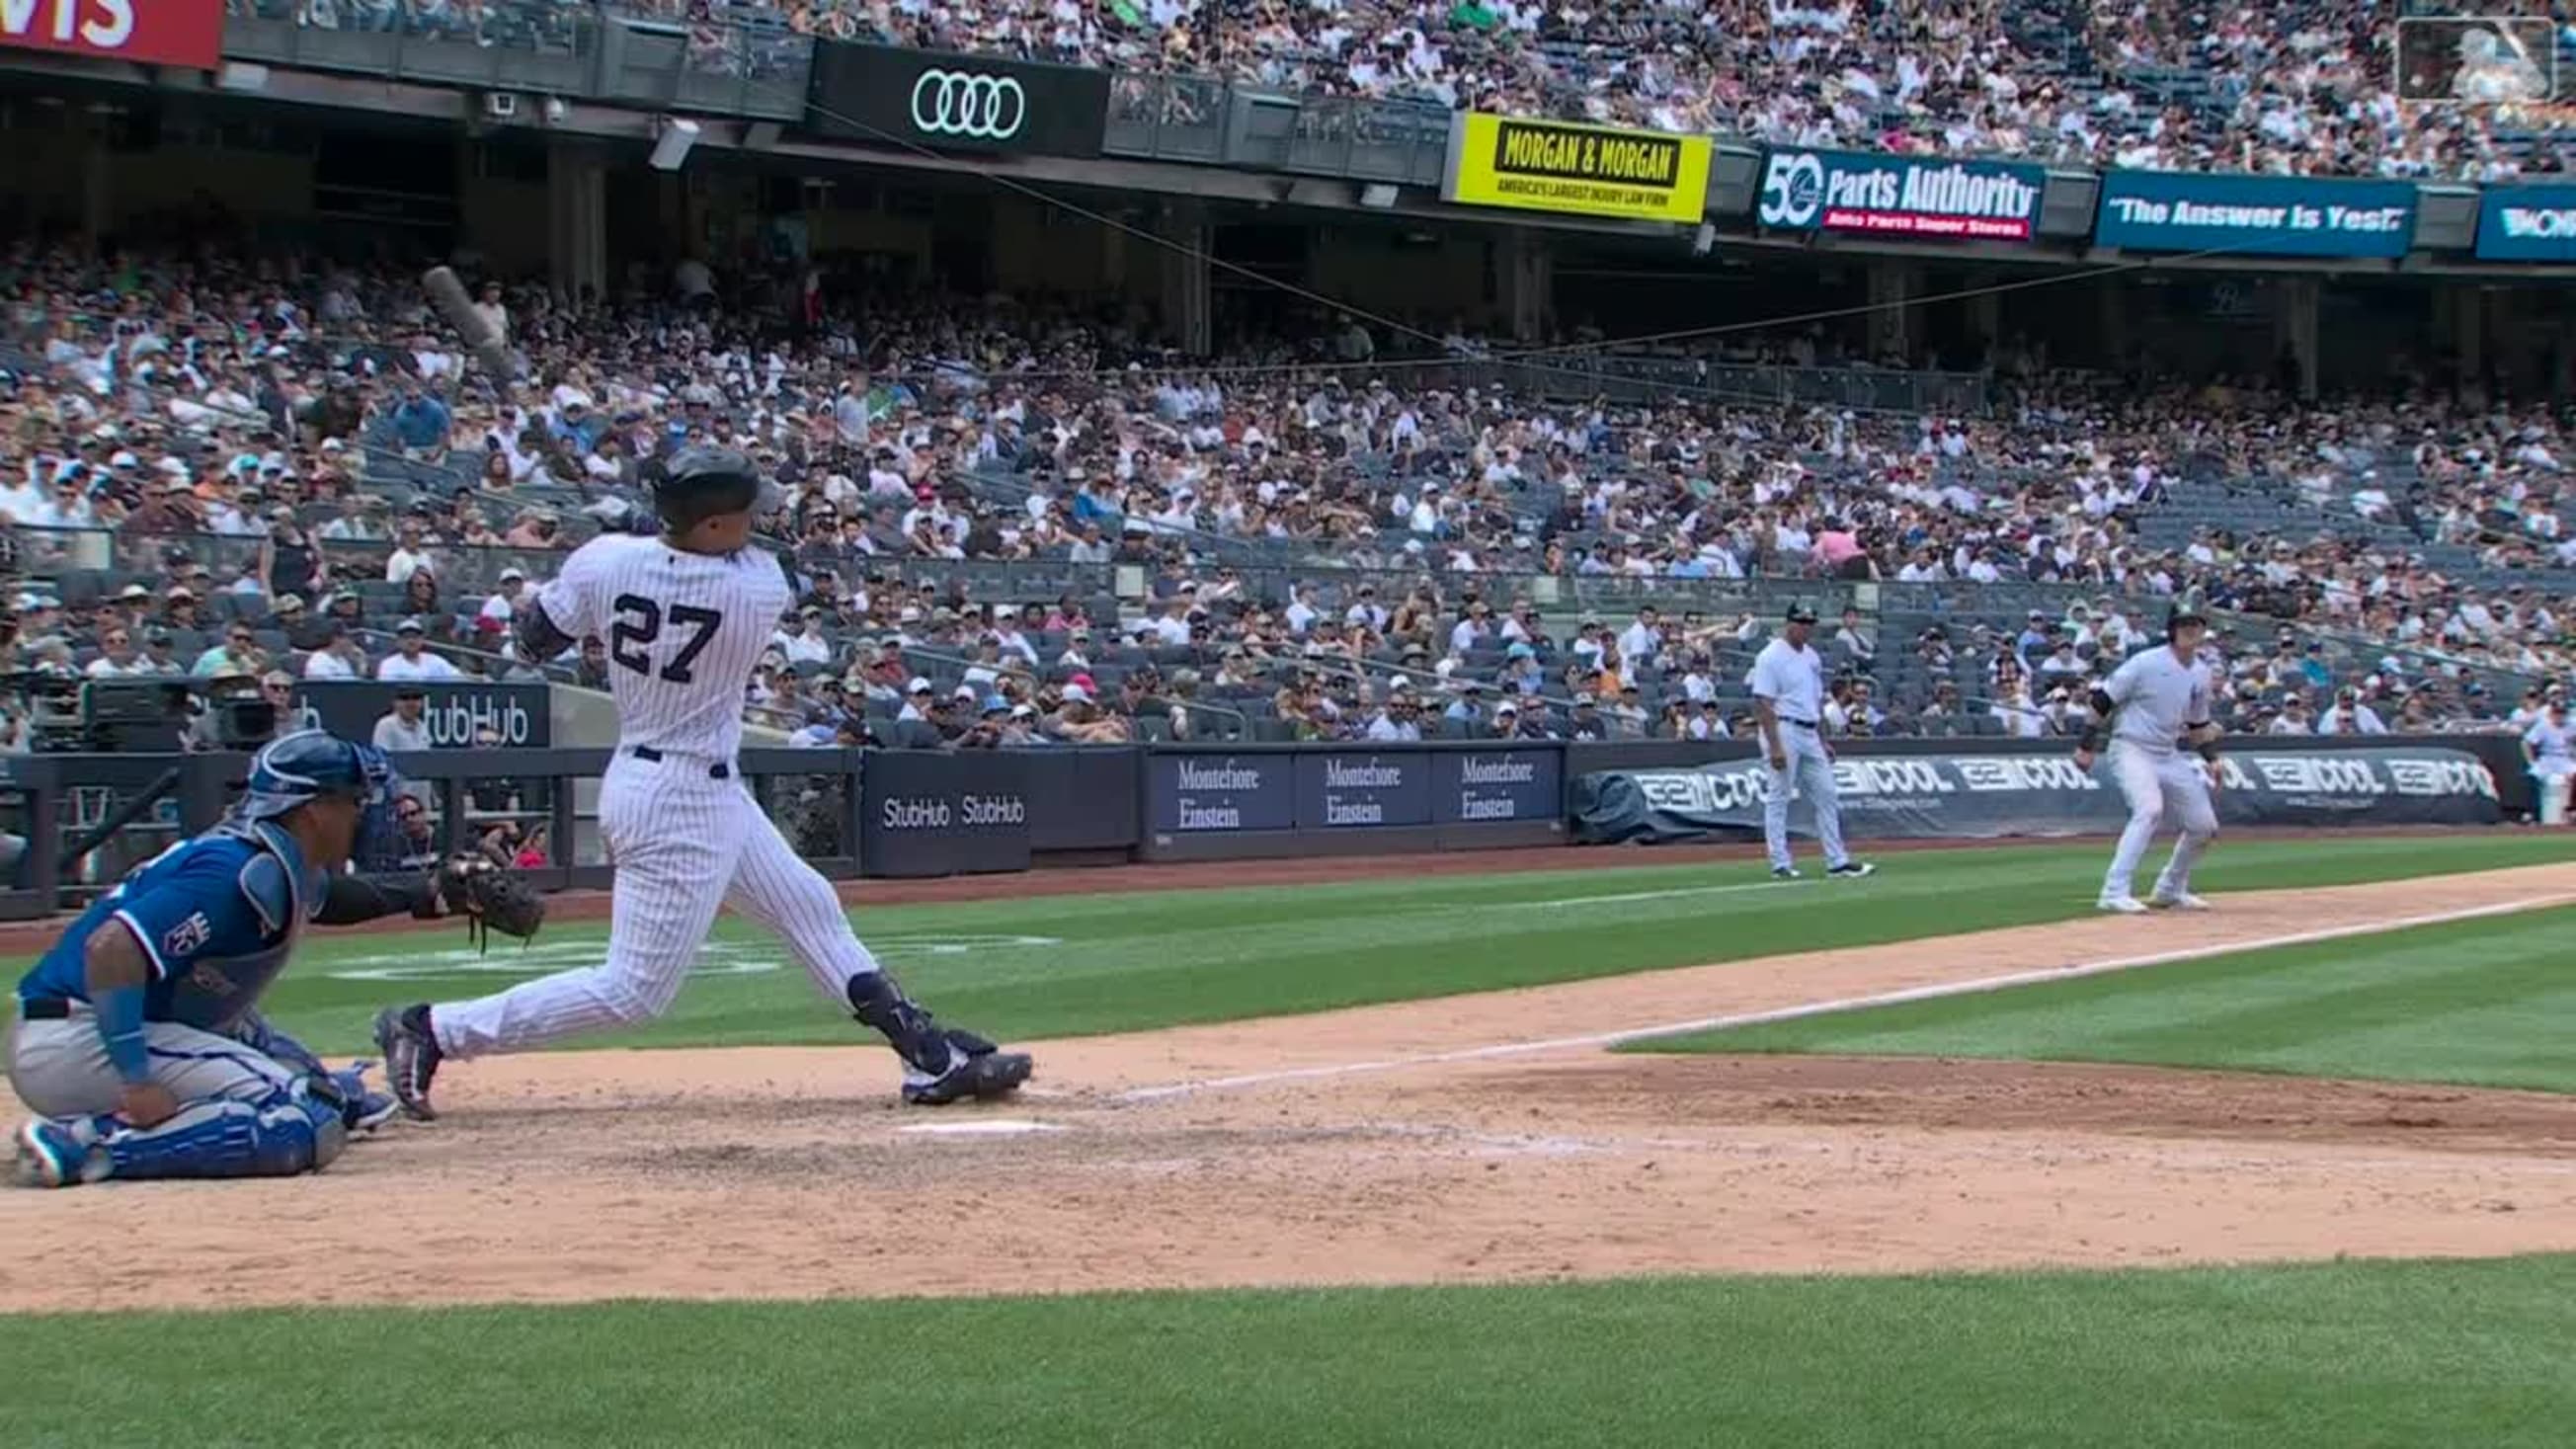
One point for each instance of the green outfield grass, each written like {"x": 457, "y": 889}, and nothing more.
{"x": 2342, "y": 1356}
{"x": 2486, "y": 1002}
{"x": 1085, "y": 964}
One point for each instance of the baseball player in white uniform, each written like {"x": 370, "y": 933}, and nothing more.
{"x": 1788, "y": 683}
{"x": 686, "y": 614}
{"x": 2550, "y": 746}
{"x": 2155, "y": 702}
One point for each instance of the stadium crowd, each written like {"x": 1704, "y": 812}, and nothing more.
{"x": 296, "y": 472}
{"x": 2305, "y": 87}
{"x": 2301, "y": 87}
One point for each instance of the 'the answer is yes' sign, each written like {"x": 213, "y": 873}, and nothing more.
{"x": 2165, "y": 211}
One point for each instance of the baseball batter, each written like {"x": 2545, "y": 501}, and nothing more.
{"x": 2157, "y": 700}
{"x": 686, "y": 615}
{"x": 1788, "y": 683}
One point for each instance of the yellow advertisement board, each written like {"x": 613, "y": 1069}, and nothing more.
{"x": 1576, "y": 169}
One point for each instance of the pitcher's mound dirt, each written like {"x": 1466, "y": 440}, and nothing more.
{"x": 791, "y": 1173}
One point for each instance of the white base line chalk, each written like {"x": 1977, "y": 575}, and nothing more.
{"x": 1675, "y": 894}
{"x": 1826, "y": 1008}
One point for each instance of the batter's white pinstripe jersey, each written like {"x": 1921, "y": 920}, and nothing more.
{"x": 683, "y": 630}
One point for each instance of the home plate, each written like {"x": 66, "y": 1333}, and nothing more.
{"x": 982, "y": 1127}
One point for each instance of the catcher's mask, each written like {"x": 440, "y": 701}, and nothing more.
{"x": 310, "y": 765}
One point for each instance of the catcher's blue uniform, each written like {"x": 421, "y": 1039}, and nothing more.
{"x": 215, "y": 919}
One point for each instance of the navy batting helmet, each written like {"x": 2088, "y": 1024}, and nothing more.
{"x": 703, "y": 483}
{"x": 2183, "y": 614}
{"x": 313, "y": 765}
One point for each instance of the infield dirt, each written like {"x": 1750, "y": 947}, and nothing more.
{"x": 789, "y": 1173}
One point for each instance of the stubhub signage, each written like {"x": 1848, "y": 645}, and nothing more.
{"x": 2527, "y": 224}
{"x": 925, "y": 813}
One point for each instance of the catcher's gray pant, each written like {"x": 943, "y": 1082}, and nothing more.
{"x": 241, "y": 1113}
{"x": 1813, "y": 774}
{"x": 60, "y": 1068}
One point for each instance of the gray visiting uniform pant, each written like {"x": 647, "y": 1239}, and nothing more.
{"x": 1813, "y": 774}
{"x": 60, "y": 1068}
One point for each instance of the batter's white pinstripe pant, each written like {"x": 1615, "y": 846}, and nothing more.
{"x": 685, "y": 845}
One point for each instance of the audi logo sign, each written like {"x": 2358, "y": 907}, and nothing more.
{"x": 965, "y": 103}
{"x": 889, "y": 96}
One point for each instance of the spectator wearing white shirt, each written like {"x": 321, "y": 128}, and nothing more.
{"x": 411, "y": 660}
{"x": 1475, "y": 630}
{"x": 2349, "y": 716}
{"x": 1301, "y": 612}
{"x": 409, "y": 556}
{"x": 503, "y": 605}
{"x": 403, "y": 729}
{"x": 337, "y": 660}
{"x": 1165, "y": 625}
{"x": 1854, "y": 640}
{"x": 494, "y": 314}
{"x": 118, "y": 658}
{"x": 1366, "y": 612}
{"x": 1639, "y": 642}
{"x": 798, "y": 639}
{"x": 68, "y": 505}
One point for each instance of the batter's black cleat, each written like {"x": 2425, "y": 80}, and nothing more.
{"x": 940, "y": 1064}
{"x": 1784, "y": 872}
{"x": 1851, "y": 870}
{"x": 977, "y": 1069}
{"x": 411, "y": 1057}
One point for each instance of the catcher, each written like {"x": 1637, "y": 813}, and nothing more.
{"x": 138, "y": 1037}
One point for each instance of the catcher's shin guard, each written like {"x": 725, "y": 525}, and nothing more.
{"x": 288, "y": 1132}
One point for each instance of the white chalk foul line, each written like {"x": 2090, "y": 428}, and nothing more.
{"x": 1933, "y": 992}
{"x": 1676, "y": 892}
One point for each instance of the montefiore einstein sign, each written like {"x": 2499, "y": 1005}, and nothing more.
{"x": 1909, "y": 196}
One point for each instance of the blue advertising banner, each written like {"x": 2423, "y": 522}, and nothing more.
{"x": 1915, "y": 196}
{"x": 930, "y": 813}
{"x": 2167, "y": 211}
{"x": 1337, "y": 789}
{"x": 1203, "y": 793}
{"x": 1482, "y": 787}
{"x": 2527, "y": 224}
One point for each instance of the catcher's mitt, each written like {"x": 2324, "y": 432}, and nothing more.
{"x": 490, "y": 898}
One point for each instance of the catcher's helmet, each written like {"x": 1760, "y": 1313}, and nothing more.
{"x": 313, "y": 765}
{"x": 703, "y": 483}
{"x": 309, "y": 765}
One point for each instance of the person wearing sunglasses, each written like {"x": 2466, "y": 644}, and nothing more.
{"x": 238, "y": 653}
